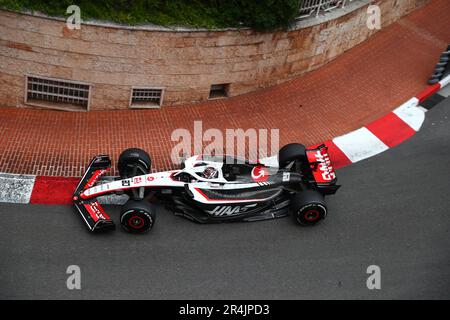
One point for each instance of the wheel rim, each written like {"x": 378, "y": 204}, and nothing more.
{"x": 311, "y": 215}
{"x": 136, "y": 222}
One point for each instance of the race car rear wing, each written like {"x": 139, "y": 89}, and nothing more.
{"x": 322, "y": 169}
{"x": 90, "y": 210}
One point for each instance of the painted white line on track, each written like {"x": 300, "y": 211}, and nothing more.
{"x": 360, "y": 144}
{"x": 16, "y": 188}
{"x": 411, "y": 114}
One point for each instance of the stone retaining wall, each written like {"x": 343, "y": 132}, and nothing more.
{"x": 185, "y": 63}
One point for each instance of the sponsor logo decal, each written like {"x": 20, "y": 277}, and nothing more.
{"x": 94, "y": 178}
{"x": 97, "y": 211}
{"x": 325, "y": 166}
{"x": 149, "y": 179}
{"x": 230, "y": 210}
{"x": 137, "y": 180}
{"x": 126, "y": 183}
{"x": 260, "y": 174}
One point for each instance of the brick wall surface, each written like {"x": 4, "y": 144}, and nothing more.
{"x": 184, "y": 63}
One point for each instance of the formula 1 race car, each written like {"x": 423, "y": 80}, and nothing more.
{"x": 211, "y": 188}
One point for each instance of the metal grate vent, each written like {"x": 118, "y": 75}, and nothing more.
{"x": 146, "y": 97}
{"x": 56, "y": 92}
{"x": 219, "y": 91}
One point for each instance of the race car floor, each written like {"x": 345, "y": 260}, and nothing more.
{"x": 358, "y": 87}
{"x": 392, "y": 211}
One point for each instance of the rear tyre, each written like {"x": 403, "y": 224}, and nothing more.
{"x": 292, "y": 152}
{"x": 137, "y": 216}
{"x": 308, "y": 207}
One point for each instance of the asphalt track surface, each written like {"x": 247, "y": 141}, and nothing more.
{"x": 392, "y": 211}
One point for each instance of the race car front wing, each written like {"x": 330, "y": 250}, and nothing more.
{"x": 90, "y": 210}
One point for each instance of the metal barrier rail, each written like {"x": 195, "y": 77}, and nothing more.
{"x": 310, "y": 7}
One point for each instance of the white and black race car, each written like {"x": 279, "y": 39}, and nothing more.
{"x": 211, "y": 189}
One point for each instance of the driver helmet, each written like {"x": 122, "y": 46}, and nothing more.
{"x": 210, "y": 173}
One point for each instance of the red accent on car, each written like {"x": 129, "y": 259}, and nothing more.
{"x": 260, "y": 173}
{"x": 138, "y": 226}
{"x": 96, "y": 211}
{"x": 94, "y": 178}
{"x": 321, "y": 166}
{"x": 172, "y": 174}
{"x": 311, "y": 215}
{"x": 339, "y": 158}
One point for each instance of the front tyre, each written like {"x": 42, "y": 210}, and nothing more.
{"x": 137, "y": 216}
{"x": 134, "y": 162}
{"x": 308, "y": 207}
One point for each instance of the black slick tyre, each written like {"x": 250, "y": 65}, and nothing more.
{"x": 137, "y": 216}
{"x": 133, "y": 162}
{"x": 292, "y": 152}
{"x": 308, "y": 207}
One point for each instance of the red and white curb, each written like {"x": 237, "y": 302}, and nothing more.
{"x": 381, "y": 134}
{"x": 368, "y": 141}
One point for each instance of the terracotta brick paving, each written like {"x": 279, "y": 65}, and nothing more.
{"x": 356, "y": 88}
